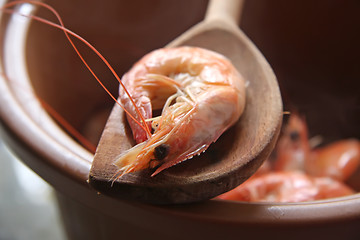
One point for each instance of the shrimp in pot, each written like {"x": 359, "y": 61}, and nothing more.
{"x": 338, "y": 160}
{"x": 300, "y": 173}
{"x": 293, "y": 147}
{"x": 287, "y": 186}
{"x": 201, "y": 95}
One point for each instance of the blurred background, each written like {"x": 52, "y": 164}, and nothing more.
{"x": 313, "y": 48}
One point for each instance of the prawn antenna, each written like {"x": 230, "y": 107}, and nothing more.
{"x": 67, "y": 32}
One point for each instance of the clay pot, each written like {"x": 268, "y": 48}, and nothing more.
{"x": 37, "y": 59}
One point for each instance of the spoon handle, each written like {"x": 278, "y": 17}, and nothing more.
{"x": 225, "y": 10}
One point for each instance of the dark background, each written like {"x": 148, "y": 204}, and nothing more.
{"x": 313, "y": 48}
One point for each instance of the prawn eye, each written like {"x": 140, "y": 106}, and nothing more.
{"x": 294, "y": 136}
{"x": 154, "y": 126}
{"x": 161, "y": 151}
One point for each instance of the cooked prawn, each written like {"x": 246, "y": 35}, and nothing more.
{"x": 292, "y": 148}
{"x": 201, "y": 95}
{"x": 338, "y": 160}
{"x": 299, "y": 172}
{"x": 294, "y": 152}
{"x": 287, "y": 186}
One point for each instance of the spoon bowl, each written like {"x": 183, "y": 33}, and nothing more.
{"x": 238, "y": 152}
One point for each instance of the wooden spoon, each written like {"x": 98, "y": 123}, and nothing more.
{"x": 234, "y": 157}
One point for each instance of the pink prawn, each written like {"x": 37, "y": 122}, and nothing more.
{"x": 201, "y": 95}
{"x": 299, "y": 172}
